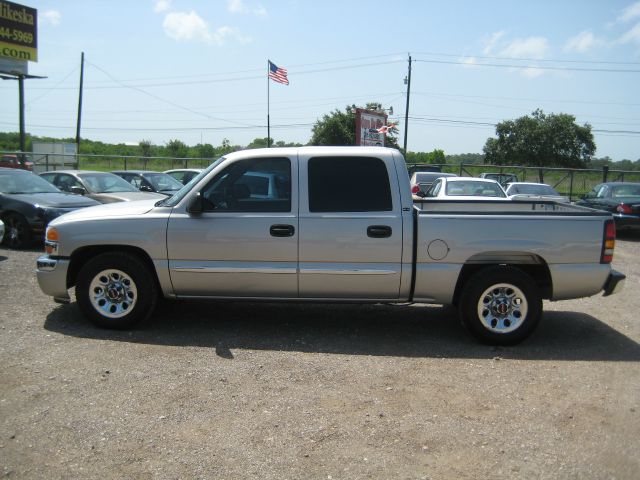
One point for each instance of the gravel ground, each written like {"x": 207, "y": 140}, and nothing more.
{"x": 248, "y": 390}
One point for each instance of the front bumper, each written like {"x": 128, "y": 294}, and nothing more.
{"x": 52, "y": 277}
{"x": 614, "y": 283}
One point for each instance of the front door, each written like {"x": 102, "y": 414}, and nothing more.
{"x": 245, "y": 242}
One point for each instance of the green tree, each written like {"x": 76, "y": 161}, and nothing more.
{"x": 435, "y": 156}
{"x": 145, "y": 148}
{"x": 339, "y": 128}
{"x": 177, "y": 148}
{"x": 553, "y": 140}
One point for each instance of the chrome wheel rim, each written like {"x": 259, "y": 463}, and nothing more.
{"x": 14, "y": 234}
{"x": 113, "y": 293}
{"x": 502, "y": 308}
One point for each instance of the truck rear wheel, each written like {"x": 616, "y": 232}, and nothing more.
{"x": 500, "y": 305}
{"x": 116, "y": 290}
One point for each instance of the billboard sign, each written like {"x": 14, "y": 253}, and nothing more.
{"x": 18, "y": 31}
{"x": 368, "y": 123}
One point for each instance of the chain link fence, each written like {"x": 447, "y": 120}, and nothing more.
{"x": 571, "y": 182}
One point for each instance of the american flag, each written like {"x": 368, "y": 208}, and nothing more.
{"x": 278, "y": 74}
{"x": 386, "y": 128}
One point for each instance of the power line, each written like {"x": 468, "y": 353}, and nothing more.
{"x": 587, "y": 62}
{"x": 164, "y": 100}
{"x": 532, "y": 67}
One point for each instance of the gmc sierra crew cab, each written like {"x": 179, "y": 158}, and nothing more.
{"x": 320, "y": 235}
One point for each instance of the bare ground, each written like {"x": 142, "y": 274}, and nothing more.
{"x": 248, "y": 390}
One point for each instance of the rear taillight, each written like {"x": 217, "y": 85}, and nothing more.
{"x": 415, "y": 189}
{"x": 623, "y": 208}
{"x": 609, "y": 242}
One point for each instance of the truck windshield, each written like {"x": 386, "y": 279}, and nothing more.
{"x": 173, "y": 200}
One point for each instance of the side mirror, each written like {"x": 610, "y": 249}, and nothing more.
{"x": 146, "y": 188}
{"x": 196, "y": 205}
{"x": 78, "y": 190}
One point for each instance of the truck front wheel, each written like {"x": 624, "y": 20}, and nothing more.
{"x": 116, "y": 290}
{"x": 500, "y": 305}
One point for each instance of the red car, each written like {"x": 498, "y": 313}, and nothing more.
{"x": 12, "y": 161}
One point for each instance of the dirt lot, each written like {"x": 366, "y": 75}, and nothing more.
{"x": 246, "y": 390}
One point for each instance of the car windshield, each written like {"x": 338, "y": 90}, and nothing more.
{"x": 162, "y": 182}
{"x": 428, "y": 177}
{"x": 533, "y": 190}
{"x": 106, "y": 183}
{"x": 475, "y": 189}
{"x": 25, "y": 183}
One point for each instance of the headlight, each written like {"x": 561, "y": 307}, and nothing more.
{"x": 51, "y": 239}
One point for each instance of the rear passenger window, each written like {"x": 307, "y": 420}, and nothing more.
{"x": 348, "y": 184}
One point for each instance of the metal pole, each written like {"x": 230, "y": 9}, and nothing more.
{"x": 406, "y": 113}
{"x": 21, "y": 107}
{"x": 80, "y": 102}
{"x": 268, "y": 119}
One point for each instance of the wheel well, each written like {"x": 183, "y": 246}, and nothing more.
{"x": 81, "y": 256}
{"x": 539, "y": 272}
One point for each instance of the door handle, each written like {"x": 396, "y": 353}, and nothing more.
{"x": 282, "y": 230}
{"x": 379, "y": 231}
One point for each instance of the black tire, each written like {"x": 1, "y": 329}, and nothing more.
{"x": 116, "y": 290}
{"x": 500, "y": 305}
{"x": 17, "y": 232}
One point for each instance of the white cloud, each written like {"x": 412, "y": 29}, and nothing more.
{"x": 238, "y": 6}
{"x": 532, "y": 47}
{"x": 629, "y": 13}
{"x": 183, "y": 26}
{"x": 162, "y": 6}
{"x": 632, "y": 35}
{"x": 490, "y": 43}
{"x": 190, "y": 27}
{"x": 532, "y": 72}
{"x": 582, "y": 43}
{"x": 52, "y": 17}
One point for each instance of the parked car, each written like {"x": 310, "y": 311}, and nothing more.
{"x": 9, "y": 160}
{"x": 28, "y": 203}
{"x": 501, "y": 178}
{"x": 421, "y": 181}
{"x": 422, "y": 167}
{"x": 183, "y": 175}
{"x": 146, "y": 181}
{"x": 533, "y": 191}
{"x": 465, "y": 188}
{"x": 622, "y": 199}
{"x": 1, "y": 231}
{"x": 101, "y": 186}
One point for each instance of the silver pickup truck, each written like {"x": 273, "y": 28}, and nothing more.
{"x": 330, "y": 224}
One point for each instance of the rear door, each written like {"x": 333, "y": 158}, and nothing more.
{"x": 351, "y": 234}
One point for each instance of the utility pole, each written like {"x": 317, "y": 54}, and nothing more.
{"x": 80, "y": 103}
{"x": 21, "y": 107}
{"x": 406, "y": 113}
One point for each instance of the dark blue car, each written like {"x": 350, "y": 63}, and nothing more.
{"x": 622, "y": 199}
{"x": 28, "y": 203}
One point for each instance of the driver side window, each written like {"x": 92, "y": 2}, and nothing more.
{"x": 253, "y": 185}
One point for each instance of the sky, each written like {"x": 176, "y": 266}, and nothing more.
{"x": 197, "y": 70}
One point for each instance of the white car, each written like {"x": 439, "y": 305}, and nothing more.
{"x": 183, "y": 175}
{"x": 465, "y": 188}
{"x": 534, "y": 191}
{"x": 421, "y": 181}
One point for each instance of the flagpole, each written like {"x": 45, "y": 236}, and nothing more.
{"x": 268, "y": 118}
